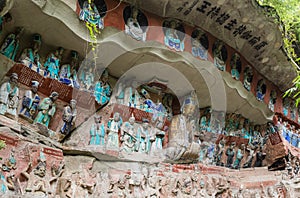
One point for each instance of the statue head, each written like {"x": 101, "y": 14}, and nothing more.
{"x": 116, "y": 116}
{"x": 145, "y": 123}
{"x": 97, "y": 119}
{"x": 13, "y": 78}
{"x": 54, "y": 96}
{"x": 40, "y": 169}
{"x": 73, "y": 103}
{"x": 34, "y": 86}
{"x": 190, "y": 104}
{"x": 132, "y": 119}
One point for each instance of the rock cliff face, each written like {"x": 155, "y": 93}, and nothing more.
{"x": 104, "y": 129}
{"x": 30, "y": 168}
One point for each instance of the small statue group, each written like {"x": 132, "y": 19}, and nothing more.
{"x": 127, "y": 137}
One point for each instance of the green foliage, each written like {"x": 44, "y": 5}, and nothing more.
{"x": 93, "y": 31}
{"x": 2, "y": 145}
{"x": 287, "y": 14}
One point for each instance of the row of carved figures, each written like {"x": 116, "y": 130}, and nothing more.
{"x": 129, "y": 136}
{"x": 146, "y": 182}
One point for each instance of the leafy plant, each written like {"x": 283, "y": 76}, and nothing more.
{"x": 287, "y": 14}
{"x": 2, "y": 145}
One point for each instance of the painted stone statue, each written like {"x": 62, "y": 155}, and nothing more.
{"x": 30, "y": 102}
{"x": 69, "y": 117}
{"x": 236, "y": 65}
{"x": 260, "y": 90}
{"x": 199, "y": 44}
{"x": 248, "y": 76}
{"x": 102, "y": 91}
{"x": 220, "y": 55}
{"x": 68, "y": 72}
{"x": 286, "y": 106}
{"x": 128, "y": 138}
{"x": 46, "y": 109}
{"x": 97, "y": 132}
{"x": 272, "y": 101}
{"x": 113, "y": 127}
{"x": 174, "y": 34}
{"x": 230, "y": 155}
{"x": 30, "y": 56}
{"x": 136, "y": 23}
{"x": 11, "y": 46}
{"x": 131, "y": 95}
{"x": 239, "y": 156}
{"x": 87, "y": 78}
{"x": 92, "y": 14}
{"x": 143, "y": 137}
{"x": 52, "y": 63}
{"x": 9, "y": 96}
{"x": 181, "y": 144}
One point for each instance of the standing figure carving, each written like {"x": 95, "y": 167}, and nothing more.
{"x": 30, "y": 102}
{"x": 230, "y": 155}
{"x": 102, "y": 90}
{"x": 97, "y": 132}
{"x": 11, "y": 46}
{"x": 46, "y": 109}
{"x": 143, "y": 137}
{"x": 52, "y": 63}
{"x": 93, "y": 13}
{"x": 30, "y": 56}
{"x": 113, "y": 127}
{"x": 69, "y": 117}
{"x": 9, "y": 96}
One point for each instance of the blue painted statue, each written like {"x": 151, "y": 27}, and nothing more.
{"x": 87, "y": 78}
{"x": 235, "y": 64}
{"x": 30, "y": 56}
{"x": 69, "y": 117}
{"x": 9, "y": 96}
{"x": 46, "y": 109}
{"x": 31, "y": 101}
{"x": 102, "y": 90}
{"x": 97, "y": 132}
{"x": 113, "y": 127}
{"x": 11, "y": 46}
{"x": 90, "y": 14}
{"x": 143, "y": 137}
{"x": 172, "y": 38}
{"x": 219, "y": 55}
{"x": 135, "y": 23}
{"x": 68, "y": 72}
{"x": 199, "y": 39}
{"x": 52, "y": 63}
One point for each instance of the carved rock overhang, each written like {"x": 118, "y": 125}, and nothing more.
{"x": 270, "y": 60}
{"x": 58, "y": 24}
